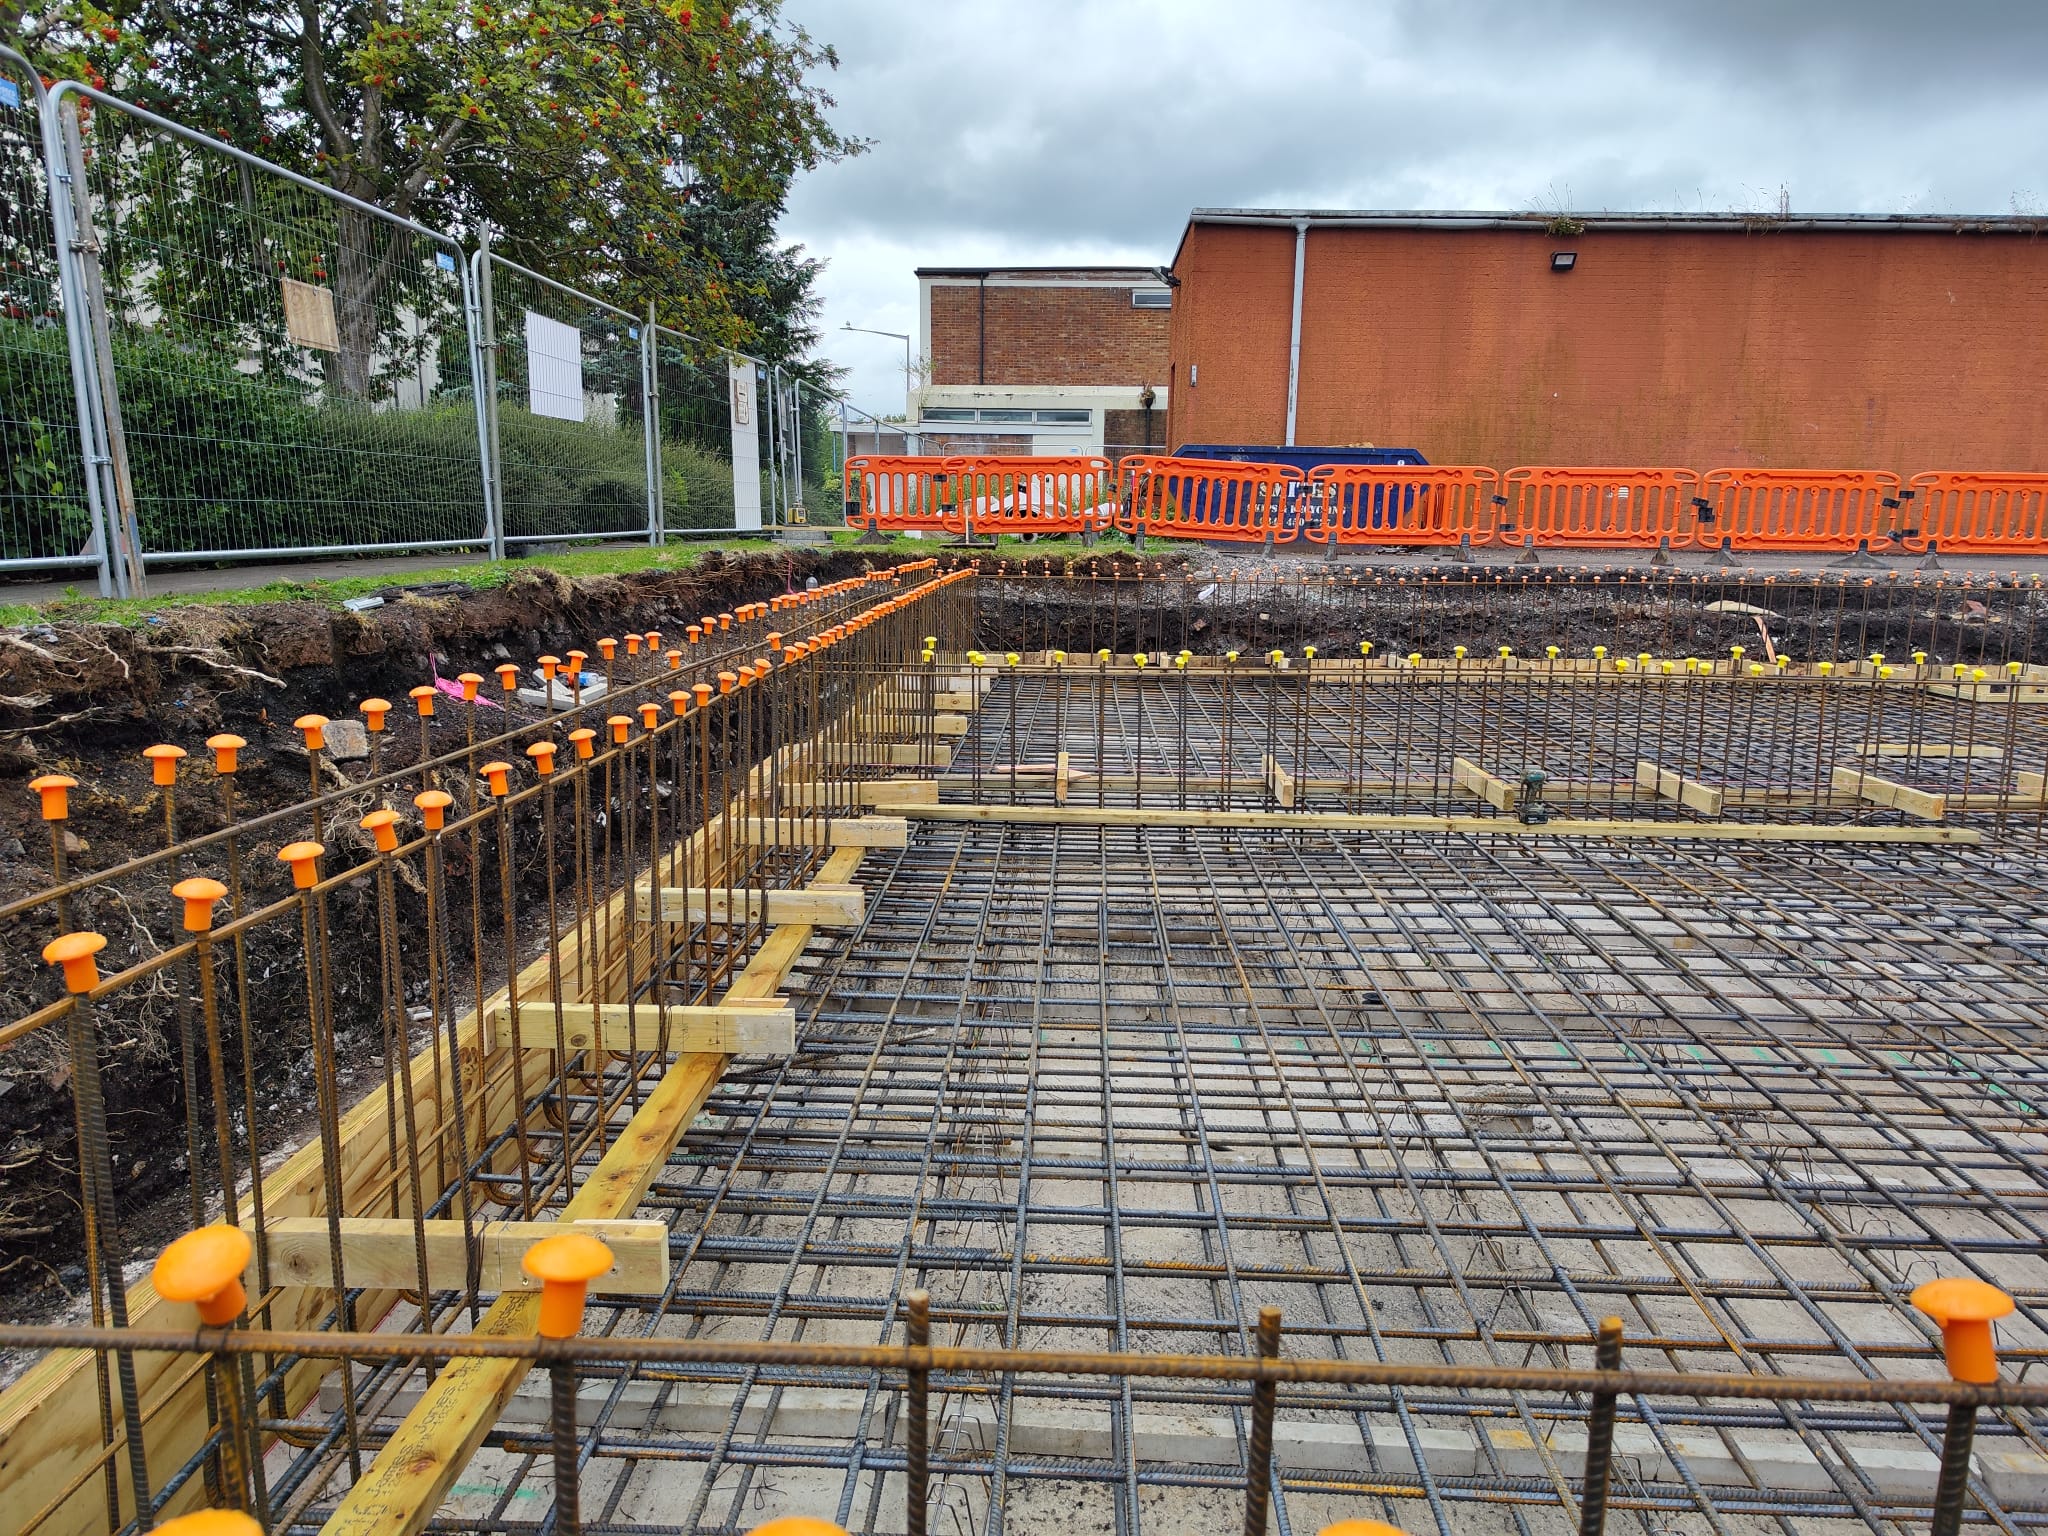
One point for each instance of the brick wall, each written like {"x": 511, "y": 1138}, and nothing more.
{"x": 1902, "y": 351}
{"x": 1134, "y": 429}
{"x": 1045, "y": 336}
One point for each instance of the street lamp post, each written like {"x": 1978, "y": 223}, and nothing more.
{"x": 909, "y": 367}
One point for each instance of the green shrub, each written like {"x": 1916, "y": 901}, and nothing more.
{"x": 227, "y": 459}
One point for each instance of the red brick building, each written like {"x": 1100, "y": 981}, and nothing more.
{"x": 1042, "y": 359}
{"x": 1694, "y": 341}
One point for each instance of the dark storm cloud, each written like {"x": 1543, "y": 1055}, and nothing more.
{"x": 1066, "y": 129}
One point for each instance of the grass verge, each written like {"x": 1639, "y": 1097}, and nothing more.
{"x": 334, "y": 591}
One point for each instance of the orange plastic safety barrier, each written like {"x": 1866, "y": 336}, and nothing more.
{"x": 1211, "y": 499}
{"x": 1962, "y": 512}
{"x": 1553, "y": 505}
{"x": 1402, "y": 504}
{"x": 901, "y": 494}
{"x": 1034, "y": 495}
{"x": 1798, "y": 510}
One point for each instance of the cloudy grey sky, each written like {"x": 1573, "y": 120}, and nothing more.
{"x": 1034, "y": 131}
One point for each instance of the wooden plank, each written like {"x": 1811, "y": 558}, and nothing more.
{"x": 2033, "y": 786}
{"x": 868, "y": 792}
{"x": 401, "y": 1490}
{"x": 1496, "y": 792}
{"x": 825, "y": 832}
{"x": 958, "y": 699}
{"x": 1062, "y": 775}
{"x": 1928, "y": 805}
{"x": 1929, "y": 749}
{"x": 617, "y": 1027}
{"x": 1488, "y": 826}
{"x": 380, "y": 1251}
{"x": 1668, "y": 784}
{"x": 1278, "y": 782}
{"x": 827, "y": 906}
{"x": 914, "y": 724}
{"x": 887, "y": 754}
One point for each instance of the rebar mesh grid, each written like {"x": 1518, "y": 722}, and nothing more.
{"x": 1390, "y": 739}
{"x": 1444, "y": 1100}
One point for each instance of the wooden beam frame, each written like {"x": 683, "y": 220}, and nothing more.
{"x": 1930, "y": 749}
{"x": 1495, "y": 791}
{"x": 733, "y": 1030}
{"x": 1477, "y": 826}
{"x": 381, "y": 1252}
{"x": 1666, "y": 784}
{"x": 1278, "y": 782}
{"x": 825, "y": 832}
{"x": 882, "y": 793}
{"x": 826, "y": 905}
{"x": 400, "y": 1491}
{"x": 1928, "y": 805}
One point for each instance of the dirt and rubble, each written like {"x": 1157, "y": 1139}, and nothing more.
{"x": 84, "y": 699}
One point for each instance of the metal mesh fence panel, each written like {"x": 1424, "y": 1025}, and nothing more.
{"x": 694, "y": 390}
{"x": 570, "y": 398}
{"x": 290, "y": 368}
{"x": 46, "y": 520}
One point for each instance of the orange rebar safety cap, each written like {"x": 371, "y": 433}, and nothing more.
{"x": 199, "y": 894}
{"x": 1964, "y": 1307}
{"x": 55, "y": 791}
{"x": 225, "y": 746}
{"x": 374, "y": 711}
{"x": 508, "y": 675}
{"x": 205, "y": 1267}
{"x": 163, "y": 761}
{"x": 75, "y": 951}
{"x": 584, "y": 740}
{"x": 620, "y": 724}
{"x": 543, "y": 755}
{"x": 433, "y": 804}
{"x": 304, "y": 859}
{"x": 564, "y": 1265}
{"x": 383, "y": 826}
{"x": 471, "y": 682}
{"x": 314, "y": 728}
{"x": 211, "y": 1522}
{"x": 499, "y": 776}
{"x": 423, "y": 699}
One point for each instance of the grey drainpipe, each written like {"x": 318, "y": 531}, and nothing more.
{"x": 1294, "y": 327}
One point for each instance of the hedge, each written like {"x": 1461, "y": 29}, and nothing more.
{"x": 224, "y": 459}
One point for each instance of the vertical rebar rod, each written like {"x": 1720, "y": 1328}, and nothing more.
{"x": 1600, "y": 1434}
{"x": 1258, "y": 1475}
{"x": 917, "y": 1463}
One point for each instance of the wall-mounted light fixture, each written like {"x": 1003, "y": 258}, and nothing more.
{"x": 1563, "y": 261}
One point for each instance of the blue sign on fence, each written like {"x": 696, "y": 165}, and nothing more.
{"x": 10, "y": 94}
{"x": 444, "y": 261}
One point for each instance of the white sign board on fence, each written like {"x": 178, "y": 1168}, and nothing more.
{"x": 554, "y": 368}
{"x": 746, "y": 447}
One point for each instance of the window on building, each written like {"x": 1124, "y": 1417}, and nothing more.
{"x": 1151, "y": 298}
{"x": 993, "y": 415}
